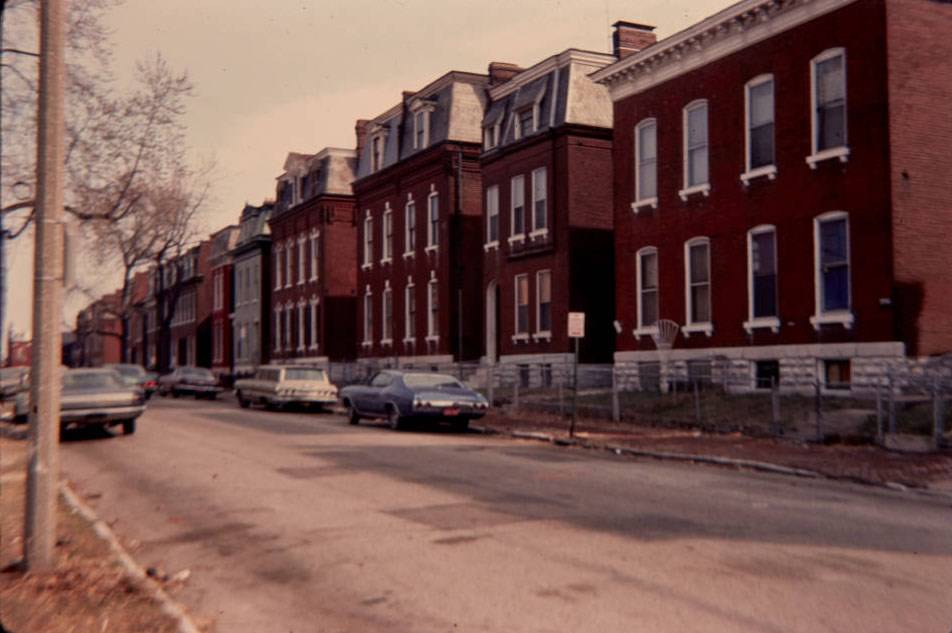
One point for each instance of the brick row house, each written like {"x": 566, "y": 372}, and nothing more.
{"x": 136, "y": 333}
{"x": 183, "y": 307}
{"x": 547, "y": 210}
{"x": 99, "y": 332}
{"x": 222, "y": 279}
{"x": 418, "y": 199}
{"x": 314, "y": 252}
{"x": 779, "y": 193}
{"x": 251, "y": 268}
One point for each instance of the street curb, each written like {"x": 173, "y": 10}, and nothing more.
{"x": 709, "y": 459}
{"x": 129, "y": 565}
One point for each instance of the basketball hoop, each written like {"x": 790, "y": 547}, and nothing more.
{"x": 667, "y": 332}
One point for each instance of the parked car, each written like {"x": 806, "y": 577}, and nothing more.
{"x": 93, "y": 397}
{"x": 13, "y": 381}
{"x": 278, "y": 386}
{"x": 135, "y": 376}
{"x": 194, "y": 381}
{"x": 402, "y": 395}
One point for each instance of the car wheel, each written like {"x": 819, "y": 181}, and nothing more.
{"x": 128, "y": 427}
{"x": 352, "y": 417}
{"x": 393, "y": 418}
{"x": 244, "y": 404}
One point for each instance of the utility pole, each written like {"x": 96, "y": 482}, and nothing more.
{"x": 43, "y": 470}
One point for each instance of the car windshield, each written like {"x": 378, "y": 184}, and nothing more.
{"x": 78, "y": 381}
{"x": 431, "y": 381}
{"x": 198, "y": 372}
{"x": 297, "y": 373}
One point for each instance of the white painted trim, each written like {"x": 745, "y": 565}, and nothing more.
{"x": 647, "y": 330}
{"x": 368, "y": 310}
{"x": 639, "y": 200}
{"x": 764, "y": 170}
{"x": 537, "y": 230}
{"x": 703, "y": 187}
{"x": 767, "y": 171}
{"x": 432, "y": 242}
{"x": 752, "y": 322}
{"x": 386, "y": 246}
{"x": 640, "y": 327}
{"x": 409, "y": 325}
{"x": 842, "y": 152}
{"x": 488, "y": 246}
{"x": 690, "y": 326}
{"x": 771, "y": 323}
{"x": 644, "y": 204}
{"x": 368, "y": 242}
{"x": 547, "y": 65}
{"x": 386, "y": 296}
{"x": 538, "y": 233}
{"x": 515, "y": 312}
{"x": 492, "y": 194}
{"x": 539, "y": 334}
{"x": 432, "y": 324}
{"x": 301, "y": 241}
{"x": 822, "y": 316}
{"x": 684, "y": 194}
{"x": 513, "y": 235}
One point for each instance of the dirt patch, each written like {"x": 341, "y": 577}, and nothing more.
{"x": 87, "y": 591}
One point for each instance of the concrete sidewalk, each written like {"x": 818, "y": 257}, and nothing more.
{"x": 866, "y": 464}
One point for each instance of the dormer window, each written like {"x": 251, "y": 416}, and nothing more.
{"x": 420, "y": 110}
{"x": 527, "y": 109}
{"x": 376, "y": 153}
{"x": 491, "y": 135}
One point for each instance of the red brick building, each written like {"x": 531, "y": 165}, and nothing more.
{"x": 547, "y": 210}
{"x": 782, "y": 193}
{"x": 99, "y": 332}
{"x": 184, "y": 299}
{"x": 314, "y": 248}
{"x": 136, "y": 317}
{"x": 419, "y": 247}
{"x": 222, "y": 282}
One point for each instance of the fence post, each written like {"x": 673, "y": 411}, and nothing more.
{"x": 818, "y": 411}
{"x": 697, "y": 404}
{"x": 616, "y": 409}
{"x": 775, "y": 406}
{"x": 879, "y": 411}
{"x": 892, "y": 406}
{"x": 937, "y": 425}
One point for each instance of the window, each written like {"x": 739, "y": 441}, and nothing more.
{"x": 301, "y": 325}
{"x": 646, "y": 164}
{"x": 288, "y": 330}
{"x": 386, "y": 308}
{"x": 277, "y": 267}
{"x": 525, "y": 123}
{"x": 492, "y": 215}
{"x": 315, "y": 254}
{"x": 433, "y": 224}
{"x": 491, "y": 135}
{"x": 762, "y": 278}
{"x": 695, "y": 149}
{"x": 517, "y": 187}
{"x": 409, "y": 312}
{"x": 539, "y": 211}
{"x": 647, "y": 277}
{"x": 544, "y": 302}
{"x": 828, "y": 80}
{"x": 277, "y": 329}
{"x": 300, "y": 259}
{"x": 409, "y": 227}
{"x": 421, "y": 129}
{"x": 697, "y": 261}
{"x": 387, "y": 235}
{"x": 218, "y": 290}
{"x": 766, "y": 374}
{"x": 315, "y": 324}
{"x": 433, "y": 299}
{"x": 376, "y": 153}
{"x": 759, "y": 135}
{"x": 368, "y": 317}
{"x": 836, "y": 374}
{"x": 522, "y": 306}
{"x": 368, "y": 240}
{"x": 831, "y": 236}
{"x": 288, "y": 254}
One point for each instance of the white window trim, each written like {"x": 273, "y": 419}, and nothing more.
{"x": 288, "y": 268}
{"x": 423, "y": 112}
{"x": 539, "y": 231}
{"x": 368, "y": 332}
{"x": 301, "y": 329}
{"x": 386, "y": 248}
{"x": 643, "y": 203}
{"x": 645, "y": 330}
{"x": 820, "y": 316}
{"x": 752, "y": 323}
{"x": 542, "y": 334}
{"x": 407, "y": 251}
{"x": 315, "y": 252}
{"x": 513, "y": 236}
{"x": 843, "y": 151}
{"x": 387, "y": 293}
{"x": 704, "y": 187}
{"x": 432, "y": 283}
{"x": 301, "y": 241}
{"x": 409, "y": 328}
{"x": 430, "y": 245}
{"x": 768, "y": 171}
{"x": 492, "y": 244}
{"x": 314, "y": 302}
{"x": 277, "y": 266}
{"x": 517, "y": 335}
{"x": 368, "y": 246}
{"x": 697, "y": 327}
{"x": 287, "y": 325}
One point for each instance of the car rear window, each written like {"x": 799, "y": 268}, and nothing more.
{"x": 431, "y": 381}
{"x": 304, "y": 374}
{"x": 90, "y": 380}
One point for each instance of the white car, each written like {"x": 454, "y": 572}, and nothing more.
{"x": 280, "y": 386}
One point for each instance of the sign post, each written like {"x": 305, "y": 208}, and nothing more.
{"x": 576, "y": 332}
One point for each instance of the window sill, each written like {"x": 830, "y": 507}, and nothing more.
{"x": 638, "y": 205}
{"x": 433, "y": 338}
{"x": 772, "y": 323}
{"x": 698, "y": 328}
{"x": 367, "y": 344}
{"x": 520, "y": 338}
{"x": 770, "y": 171}
{"x": 543, "y": 233}
{"x": 313, "y": 348}
{"x": 686, "y": 193}
{"x": 489, "y": 246}
{"x": 366, "y": 266}
{"x": 386, "y": 342}
{"x": 542, "y": 336}
{"x": 842, "y": 153}
{"x": 386, "y": 260}
{"x": 518, "y": 238}
{"x": 840, "y": 317}
{"x": 645, "y": 330}
{"x": 409, "y": 341}
{"x": 432, "y": 248}
{"x": 313, "y": 279}
{"x": 408, "y": 254}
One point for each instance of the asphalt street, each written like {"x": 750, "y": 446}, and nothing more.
{"x": 299, "y": 522}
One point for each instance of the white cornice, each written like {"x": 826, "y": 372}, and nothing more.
{"x": 547, "y": 65}
{"x": 736, "y": 27}
{"x": 334, "y": 151}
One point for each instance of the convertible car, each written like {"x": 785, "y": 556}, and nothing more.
{"x": 399, "y": 396}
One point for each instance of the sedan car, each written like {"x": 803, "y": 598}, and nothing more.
{"x": 13, "y": 381}
{"x": 94, "y": 397}
{"x": 195, "y": 381}
{"x": 278, "y": 386}
{"x": 399, "y": 396}
{"x": 135, "y": 376}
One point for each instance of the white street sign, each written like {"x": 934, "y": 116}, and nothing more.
{"x": 576, "y": 325}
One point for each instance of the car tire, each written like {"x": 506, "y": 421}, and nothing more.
{"x": 244, "y": 404}
{"x": 393, "y": 418}
{"x": 128, "y": 427}
{"x": 352, "y": 416}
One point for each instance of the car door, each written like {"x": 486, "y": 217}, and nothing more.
{"x": 374, "y": 393}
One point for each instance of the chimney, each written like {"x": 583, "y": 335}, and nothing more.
{"x": 360, "y": 128}
{"x": 630, "y": 37}
{"x": 501, "y": 72}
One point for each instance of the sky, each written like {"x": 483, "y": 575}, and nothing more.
{"x": 294, "y": 75}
